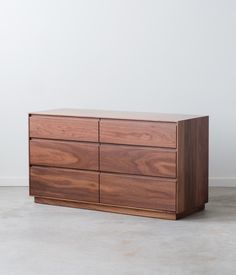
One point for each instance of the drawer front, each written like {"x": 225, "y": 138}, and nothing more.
{"x": 138, "y": 160}
{"x": 67, "y": 154}
{"x": 158, "y": 134}
{"x": 68, "y": 128}
{"x": 64, "y": 184}
{"x": 137, "y": 191}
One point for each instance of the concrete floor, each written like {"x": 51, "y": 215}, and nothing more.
{"x": 39, "y": 239}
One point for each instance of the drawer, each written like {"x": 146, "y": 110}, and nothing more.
{"x": 138, "y": 160}
{"x": 64, "y": 184}
{"x": 68, "y": 128}
{"x": 137, "y": 191}
{"x": 67, "y": 154}
{"x": 160, "y": 134}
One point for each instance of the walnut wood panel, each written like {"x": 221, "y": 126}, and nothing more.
{"x": 137, "y": 191}
{"x": 153, "y": 165}
{"x": 67, "y": 154}
{"x": 68, "y": 128}
{"x": 145, "y": 116}
{"x": 158, "y": 134}
{"x": 64, "y": 184}
{"x": 138, "y": 160}
{"x": 110, "y": 208}
{"x": 192, "y": 187}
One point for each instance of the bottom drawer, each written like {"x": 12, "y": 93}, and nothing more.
{"x": 64, "y": 184}
{"x": 137, "y": 191}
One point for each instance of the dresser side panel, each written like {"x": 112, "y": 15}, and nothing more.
{"x": 192, "y": 164}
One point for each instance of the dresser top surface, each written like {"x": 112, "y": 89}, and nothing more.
{"x": 86, "y": 113}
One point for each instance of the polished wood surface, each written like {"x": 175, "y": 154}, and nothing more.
{"x": 153, "y": 165}
{"x": 136, "y": 191}
{"x": 67, "y": 154}
{"x": 66, "y": 128}
{"x": 138, "y": 160}
{"x": 110, "y": 208}
{"x": 192, "y": 187}
{"x": 126, "y": 115}
{"x": 138, "y": 133}
{"x": 64, "y": 184}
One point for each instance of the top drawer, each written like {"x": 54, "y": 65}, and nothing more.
{"x": 68, "y": 128}
{"x": 160, "y": 134}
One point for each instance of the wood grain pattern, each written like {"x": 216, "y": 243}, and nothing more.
{"x": 110, "y": 208}
{"x": 138, "y": 160}
{"x": 66, "y": 128}
{"x": 136, "y": 191}
{"x": 108, "y": 114}
{"x": 153, "y": 165}
{"x": 67, "y": 154}
{"x": 138, "y": 133}
{"x": 192, "y": 187}
{"x": 64, "y": 184}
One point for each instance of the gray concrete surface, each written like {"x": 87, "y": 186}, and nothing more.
{"x": 39, "y": 239}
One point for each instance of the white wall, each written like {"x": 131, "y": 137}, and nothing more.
{"x": 149, "y": 55}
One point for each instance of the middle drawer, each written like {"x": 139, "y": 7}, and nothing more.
{"x": 138, "y": 160}
{"x": 65, "y": 154}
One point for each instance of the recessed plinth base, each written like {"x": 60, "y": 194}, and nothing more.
{"x": 116, "y": 209}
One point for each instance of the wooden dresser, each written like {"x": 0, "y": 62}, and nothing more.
{"x": 145, "y": 164}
